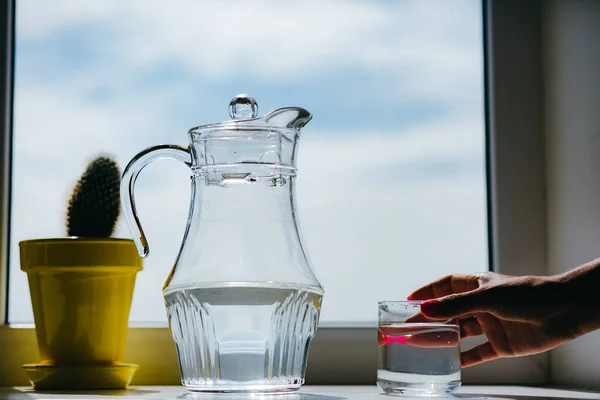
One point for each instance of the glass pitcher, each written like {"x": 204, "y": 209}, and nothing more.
{"x": 242, "y": 300}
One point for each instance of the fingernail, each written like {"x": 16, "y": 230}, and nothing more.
{"x": 430, "y": 307}
{"x": 408, "y": 297}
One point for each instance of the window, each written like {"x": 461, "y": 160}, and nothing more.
{"x": 391, "y": 186}
{"x": 392, "y": 169}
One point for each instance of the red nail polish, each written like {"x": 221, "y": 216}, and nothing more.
{"x": 430, "y": 307}
{"x": 408, "y": 297}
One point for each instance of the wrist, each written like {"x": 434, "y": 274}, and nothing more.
{"x": 576, "y": 292}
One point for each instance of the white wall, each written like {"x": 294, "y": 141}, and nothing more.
{"x": 572, "y": 123}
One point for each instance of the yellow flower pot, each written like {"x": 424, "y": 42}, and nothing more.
{"x": 81, "y": 291}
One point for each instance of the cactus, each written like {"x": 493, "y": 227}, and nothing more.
{"x": 95, "y": 205}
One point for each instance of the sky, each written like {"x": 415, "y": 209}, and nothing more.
{"x": 391, "y": 170}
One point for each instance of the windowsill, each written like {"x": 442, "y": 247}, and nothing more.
{"x": 310, "y": 393}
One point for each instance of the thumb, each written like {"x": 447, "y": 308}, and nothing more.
{"x": 456, "y": 305}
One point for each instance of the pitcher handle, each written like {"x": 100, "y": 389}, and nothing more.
{"x": 130, "y": 174}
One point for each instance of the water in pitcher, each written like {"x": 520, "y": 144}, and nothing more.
{"x": 243, "y": 336}
{"x": 424, "y": 357}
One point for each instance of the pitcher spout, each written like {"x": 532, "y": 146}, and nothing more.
{"x": 289, "y": 117}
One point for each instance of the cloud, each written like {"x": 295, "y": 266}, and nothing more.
{"x": 436, "y": 45}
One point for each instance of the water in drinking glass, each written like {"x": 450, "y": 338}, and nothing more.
{"x": 419, "y": 358}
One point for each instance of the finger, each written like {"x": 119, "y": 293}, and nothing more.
{"x": 458, "y": 305}
{"x": 445, "y": 286}
{"x": 470, "y": 327}
{"x": 418, "y": 317}
{"x": 434, "y": 339}
{"x": 418, "y": 336}
{"x": 479, "y": 354}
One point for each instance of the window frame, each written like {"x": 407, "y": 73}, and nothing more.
{"x": 516, "y": 213}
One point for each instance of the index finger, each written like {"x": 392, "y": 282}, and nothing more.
{"x": 447, "y": 285}
{"x": 417, "y": 317}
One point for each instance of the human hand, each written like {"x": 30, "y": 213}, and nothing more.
{"x": 518, "y": 315}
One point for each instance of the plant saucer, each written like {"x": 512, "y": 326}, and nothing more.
{"x": 80, "y": 377}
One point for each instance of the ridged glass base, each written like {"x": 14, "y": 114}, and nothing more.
{"x": 243, "y": 338}
{"x": 262, "y": 386}
{"x": 419, "y": 388}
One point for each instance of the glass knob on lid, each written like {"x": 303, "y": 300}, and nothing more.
{"x": 243, "y": 106}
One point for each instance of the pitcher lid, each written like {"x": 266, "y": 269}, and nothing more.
{"x": 243, "y": 110}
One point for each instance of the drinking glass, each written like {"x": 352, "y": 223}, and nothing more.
{"x": 416, "y": 356}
